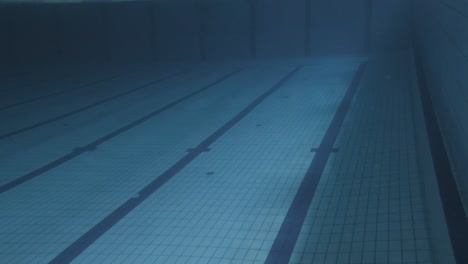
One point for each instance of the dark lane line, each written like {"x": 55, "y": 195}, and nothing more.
{"x": 100, "y": 102}
{"x": 93, "y": 145}
{"x": 75, "y": 88}
{"x": 288, "y": 234}
{"x": 77, "y": 247}
{"x": 42, "y": 76}
{"x": 452, "y": 202}
{"x": 30, "y": 79}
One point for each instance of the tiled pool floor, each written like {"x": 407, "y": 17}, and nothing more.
{"x": 307, "y": 161}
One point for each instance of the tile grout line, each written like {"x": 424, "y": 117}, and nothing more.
{"x": 288, "y": 234}
{"x": 83, "y": 242}
{"x": 93, "y": 145}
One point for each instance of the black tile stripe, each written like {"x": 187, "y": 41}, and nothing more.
{"x": 286, "y": 238}
{"x": 455, "y": 215}
{"x": 79, "y": 110}
{"x": 28, "y": 79}
{"x": 33, "y": 77}
{"x": 77, "y": 247}
{"x": 82, "y": 86}
{"x": 93, "y": 145}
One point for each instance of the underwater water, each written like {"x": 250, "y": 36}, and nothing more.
{"x": 253, "y": 131}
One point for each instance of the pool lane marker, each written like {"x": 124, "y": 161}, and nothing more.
{"x": 82, "y": 243}
{"x": 74, "y": 88}
{"x": 87, "y": 107}
{"x": 455, "y": 215}
{"x": 93, "y": 145}
{"x": 288, "y": 234}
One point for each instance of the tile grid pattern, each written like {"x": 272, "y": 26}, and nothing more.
{"x": 368, "y": 206}
{"x": 58, "y": 139}
{"x": 234, "y": 214}
{"x": 442, "y": 27}
{"x": 228, "y": 205}
{"x": 58, "y": 207}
